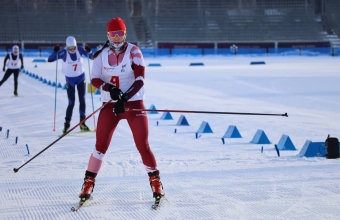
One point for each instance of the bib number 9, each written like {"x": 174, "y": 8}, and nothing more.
{"x": 115, "y": 81}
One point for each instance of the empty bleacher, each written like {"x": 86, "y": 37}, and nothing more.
{"x": 52, "y": 21}
{"x": 213, "y": 20}
{"x": 332, "y": 13}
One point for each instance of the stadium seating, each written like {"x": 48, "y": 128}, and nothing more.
{"x": 212, "y": 20}
{"x": 51, "y": 21}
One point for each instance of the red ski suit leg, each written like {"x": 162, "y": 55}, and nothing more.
{"x": 138, "y": 122}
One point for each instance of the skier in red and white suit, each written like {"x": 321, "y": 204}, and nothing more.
{"x": 119, "y": 71}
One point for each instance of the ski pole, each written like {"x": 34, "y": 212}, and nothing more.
{"x": 55, "y": 95}
{"x": 94, "y": 117}
{"x": 207, "y": 112}
{"x": 17, "y": 169}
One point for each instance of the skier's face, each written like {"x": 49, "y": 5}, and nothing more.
{"x": 72, "y": 49}
{"x": 116, "y": 36}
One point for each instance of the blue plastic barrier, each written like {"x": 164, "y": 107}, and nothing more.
{"x": 197, "y": 64}
{"x": 257, "y": 62}
{"x": 232, "y": 132}
{"x": 154, "y": 64}
{"x": 285, "y": 143}
{"x": 260, "y": 138}
{"x": 153, "y": 107}
{"x": 3, "y": 52}
{"x": 186, "y": 51}
{"x": 158, "y": 52}
{"x": 222, "y": 52}
{"x": 39, "y": 60}
{"x": 150, "y": 52}
{"x": 316, "y": 51}
{"x": 182, "y": 121}
{"x": 313, "y": 149}
{"x": 249, "y": 51}
{"x": 166, "y": 116}
{"x": 336, "y": 51}
{"x": 204, "y": 128}
{"x": 284, "y": 51}
{"x": 30, "y": 52}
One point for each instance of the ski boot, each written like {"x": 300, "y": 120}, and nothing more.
{"x": 87, "y": 188}
{"x": 156, "y": 187}
{"x": 83, "y": 126}
{"x": 66, "y": 127}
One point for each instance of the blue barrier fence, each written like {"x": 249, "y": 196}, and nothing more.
{"x": 166, "y": 52}
{"x": 336, "y": 51}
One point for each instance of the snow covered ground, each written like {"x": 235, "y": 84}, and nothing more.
{"x": 203, "y": 178}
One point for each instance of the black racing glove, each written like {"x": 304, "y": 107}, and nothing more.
{"x": 120, "y": 104}
{"x": 4, "y": 69}
{"x": 22, "y": 67}
{"x": 56, "y": 48}
{"x": 119, "y": 107}
{"x": 87, "y": 48}
{"x": 115, "y": 93}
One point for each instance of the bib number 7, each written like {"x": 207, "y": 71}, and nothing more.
{"x": 75, "y": 67}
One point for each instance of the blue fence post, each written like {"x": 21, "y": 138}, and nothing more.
{"x": 28, "y": 150}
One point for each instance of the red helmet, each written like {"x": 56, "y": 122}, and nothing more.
{"x": 116, "y": 24}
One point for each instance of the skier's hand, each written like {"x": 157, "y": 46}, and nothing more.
{"x": 56, "y": 48}
{"x": 107, "y": 86}
{"x": 115, "y": 93}
{"x": 4, "y": 69}
{"x": 120, "y": 104}
{"x": 22, "y": 67}
{"x": 87, "y": 48}
{"x": 119, "y": 107}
